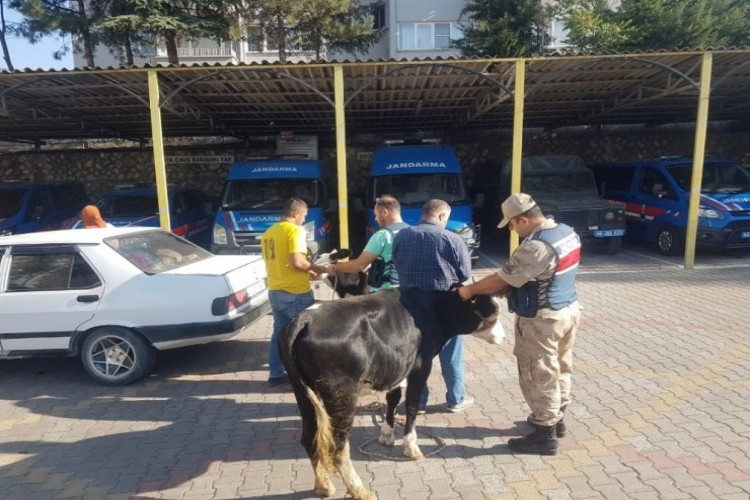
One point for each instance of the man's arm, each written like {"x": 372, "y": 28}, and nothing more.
{"x": 299, "y": 262}
{"x": 356, "y": 265}
{"x": 491, "y": 285}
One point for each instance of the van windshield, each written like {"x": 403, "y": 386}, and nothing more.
{"x": 559, "y": 183}
{"x": 417, "y": 189}
{"x": 718, "y": 178}
{"x": 270, "y": 194}
{"x": 10, "y": 202}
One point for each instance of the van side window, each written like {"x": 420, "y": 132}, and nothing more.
{"x": 654, "y": 183}
{"x": 68, "y": 196}
{"x": 619, "y": 179}
{"x": 38, "y": 208}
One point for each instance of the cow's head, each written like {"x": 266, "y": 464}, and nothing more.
{"x": 348, "y": 283}
{"x": 478, "y": 317}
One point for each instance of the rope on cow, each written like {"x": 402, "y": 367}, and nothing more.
{"x": 379, "y": 410}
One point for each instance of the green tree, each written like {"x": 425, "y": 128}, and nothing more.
{"x": 169, "y": 20}
{"x": 59, "y": 17}
{"x": 591, "y": 24}
{"x": 667, "y": 24}
{"x": 502, "y": 28}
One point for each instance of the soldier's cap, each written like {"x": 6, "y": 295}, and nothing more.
{"x": 515, "y": 205}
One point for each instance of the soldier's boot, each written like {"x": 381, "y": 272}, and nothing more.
{"x": 542, "y": 441}
{"x": 560, "y": 429}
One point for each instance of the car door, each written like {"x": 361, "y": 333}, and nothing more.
{"x": 194, "y": 220}
{"x": 660, "y": 203}
{"x": 46, "y": 292}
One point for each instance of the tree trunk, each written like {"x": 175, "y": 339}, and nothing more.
{"x": 3, "y": 41}
{"x": 171, "y": 41}
{"x": 128, "y": 50}
{"x": 88, "y": 47}
{"x": 281, "y": 36}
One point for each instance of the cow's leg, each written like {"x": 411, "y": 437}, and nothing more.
{"x": 354, "y": 485}
{"x": 415, "y": 384}
{"x": 342, "y": 408}
{"x": 386, "y": 429}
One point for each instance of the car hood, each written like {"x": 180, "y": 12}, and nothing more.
{"x": 737, "y": 202}
{"x": 569, "y": 202}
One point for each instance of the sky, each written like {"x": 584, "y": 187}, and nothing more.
{"x": 39, "y": 55}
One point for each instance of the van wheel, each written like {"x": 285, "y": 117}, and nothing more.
{"x": 116, "y": 356}
{"x": 669, "y": 241}
{"x": 611, "y": 246}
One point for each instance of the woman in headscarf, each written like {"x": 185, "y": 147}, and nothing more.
{"x": 92, "y": 218}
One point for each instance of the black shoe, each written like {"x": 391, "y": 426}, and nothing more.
{"x": 560, "y": 428}
{"x": 540, "y": 442}
{"x": 274, "y": 381}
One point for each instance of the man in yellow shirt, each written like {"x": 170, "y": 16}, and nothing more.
{"x": 284, "y": 249}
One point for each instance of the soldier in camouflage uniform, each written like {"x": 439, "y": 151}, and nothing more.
{"x": 539, "y": 282}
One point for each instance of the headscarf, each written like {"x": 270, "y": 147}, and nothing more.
{"x": 91, "y": 217}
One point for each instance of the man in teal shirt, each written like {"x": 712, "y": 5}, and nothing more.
{"x": 378, "y": 252}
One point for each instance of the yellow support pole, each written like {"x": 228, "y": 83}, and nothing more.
{"x": 158, "y": 146}
{"x": 699, "y": 152}
{"x": 338, "y": 87}
{"x": 515, "y": 176}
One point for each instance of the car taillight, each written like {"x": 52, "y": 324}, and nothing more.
{"x": 224, "y": 305}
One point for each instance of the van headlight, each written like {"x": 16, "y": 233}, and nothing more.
{"x": 220, "y": 234}
{"x": 709, "y": 213}
{"x": 610, "y": 216}
{"x": 310, "y": 230}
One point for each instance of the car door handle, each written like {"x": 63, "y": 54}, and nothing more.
{"x": 88, "y": 298}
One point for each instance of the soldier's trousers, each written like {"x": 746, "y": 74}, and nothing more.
{"x": 544, "y": 351}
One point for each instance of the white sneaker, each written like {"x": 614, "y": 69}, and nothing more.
{"x": 468, "y": 402}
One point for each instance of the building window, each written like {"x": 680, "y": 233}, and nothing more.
{"x": 427, "y": 36}
{"x": 378, "y": 14}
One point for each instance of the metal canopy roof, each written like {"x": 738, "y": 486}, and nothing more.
{"x": 381, "y": 97}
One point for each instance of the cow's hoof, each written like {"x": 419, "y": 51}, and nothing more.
{"x": 413, "y": 454}
{"x": 386, "y": 439}
{"x": 325, "y": 491}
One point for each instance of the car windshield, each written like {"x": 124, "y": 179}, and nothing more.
{"x": 270, "y": 194}
{"x": 128, "y": 206}
{"x": 417, "y": 189}
{"x": 10, "y": 202}
{"x": 577, "y": 183}
{"x": 156, "y": 251}
{"x": 718, "y": 178}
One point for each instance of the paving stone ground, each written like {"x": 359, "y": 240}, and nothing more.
{"x": 661, "y": 410}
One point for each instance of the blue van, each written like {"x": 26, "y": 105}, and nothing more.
{"x": 415, "y": 174}
{"x": 27, "y": 207}
{"x": 253, "y": 198}
{"x": 656, "y": 194}
{"x": 190, "y": 210}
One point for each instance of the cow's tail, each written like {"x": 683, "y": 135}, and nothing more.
{"x": 324, "y": 443}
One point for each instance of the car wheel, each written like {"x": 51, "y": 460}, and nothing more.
{"x": 116, "y": 356}
{"x": 611, "y": 246}
{"x": 669, "y": 241}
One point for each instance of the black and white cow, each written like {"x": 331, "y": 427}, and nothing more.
{"x": 333, "y": 350}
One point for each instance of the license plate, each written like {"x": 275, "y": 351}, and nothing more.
{"x": 605, "y": 233}
{"x": 745, "y": 234}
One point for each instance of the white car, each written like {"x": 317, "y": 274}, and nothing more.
{"x": 115, "y": 296}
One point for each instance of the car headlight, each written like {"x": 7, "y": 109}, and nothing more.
{"x": 220, "y": 234}
{"x": 610, "y": 216}
{"x": 6, "y": 232}
{"x": 310, "y": 230}
{"x": 709, "y": 213}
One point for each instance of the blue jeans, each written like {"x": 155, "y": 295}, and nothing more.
{"x": 451, "y": 364}
{"x": 285, "y": 307}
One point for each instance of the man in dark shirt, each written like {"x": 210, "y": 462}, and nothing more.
{"x": 429, "y": 257}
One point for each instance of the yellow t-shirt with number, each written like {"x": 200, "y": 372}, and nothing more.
{"x": 278, "y": 243}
